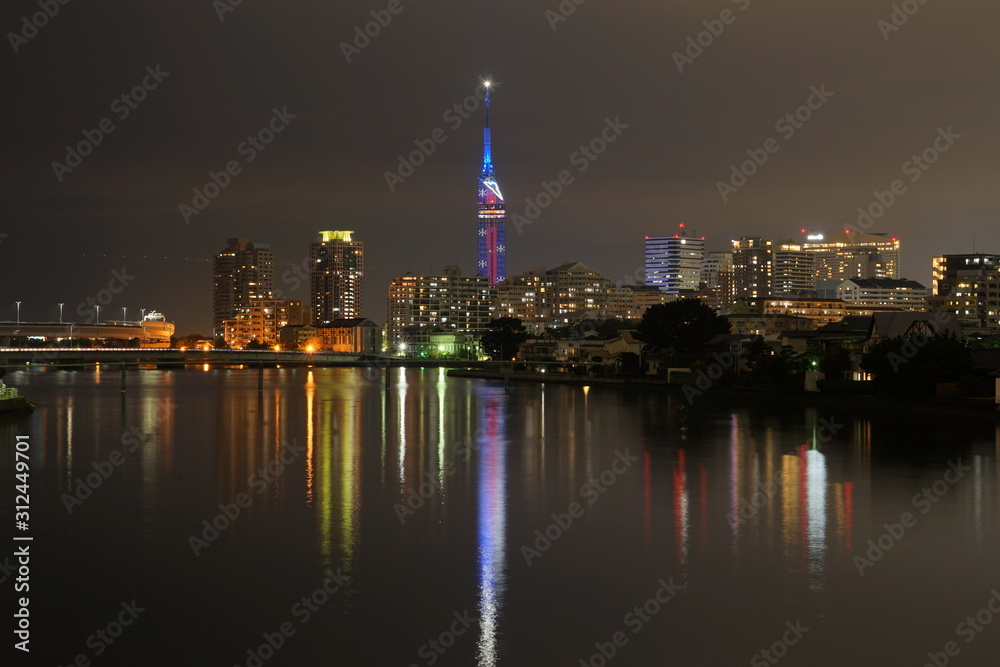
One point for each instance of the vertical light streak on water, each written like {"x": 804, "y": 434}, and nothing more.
{"x": 442, "y": 381}
{"x": 790, "y": 507}
{"x": 681, "y": 512}
{"x": 276, "y": 422}
{"x": 69, "y": 445}
{"x": 492, "y": 480}
{"x": 325, "y": 484}
{"x": 848, "y": 516}
{"x": 816, "y": 518}
{"x": 401, "y": 425}
{"x": 384, "y": 397}
{"x": 350, "y": 479}
{"x": 310, "y": 435}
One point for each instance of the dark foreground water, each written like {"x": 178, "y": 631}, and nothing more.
{"x": 444, "y": 522}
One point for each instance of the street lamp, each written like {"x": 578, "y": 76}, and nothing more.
{"x": 18, "y": 311}
{"x": 98, "y": 309}
{"x": 142, "y": 313}
{"x": 124, "y": 314}
{"x": 60, "y": 313}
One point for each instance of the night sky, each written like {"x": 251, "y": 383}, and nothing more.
{"x": 892, "y": 91}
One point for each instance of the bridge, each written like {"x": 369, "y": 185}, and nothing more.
{"x": 14, "y": 357}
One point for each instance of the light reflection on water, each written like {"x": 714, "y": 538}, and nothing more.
{"x": 366, "y": 450}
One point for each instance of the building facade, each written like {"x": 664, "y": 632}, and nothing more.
{"x": 569, "y": 293}
{"x": 451, "y": 301}
{"x": 969, "y": 286}
{"x": 854, "y": 255}
{"x": 336, "y": 266}
{"x": 674, "y": 263}
{"x": 261, "y": 321}
{"x": 351, "y": 336}
{"x": 883, "y": 293}
{"x": 242, "y": 272}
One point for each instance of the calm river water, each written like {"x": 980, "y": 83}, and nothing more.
{"x": 328, "y": 521}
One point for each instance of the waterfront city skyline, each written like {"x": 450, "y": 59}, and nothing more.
{"x": 881, "y": 105}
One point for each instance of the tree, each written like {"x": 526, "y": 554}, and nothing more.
{"x": 915, "y": 366}
{"x": 835, "y": 363}
{"x": 684, "y": 326}
{"x": 256, "y": 345}
{"x": 502, "y": 338}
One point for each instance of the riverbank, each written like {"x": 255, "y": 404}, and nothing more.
{"x": 965, "y": 407}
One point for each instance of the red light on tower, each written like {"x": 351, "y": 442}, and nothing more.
{"x": 802, "y": 231}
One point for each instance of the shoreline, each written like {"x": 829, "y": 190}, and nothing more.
{"x": 964, "y": 407}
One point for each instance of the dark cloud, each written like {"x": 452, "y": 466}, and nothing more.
{"x": 607, "y": 60}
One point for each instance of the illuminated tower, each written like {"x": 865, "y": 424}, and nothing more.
{"x": 492, "y": 214}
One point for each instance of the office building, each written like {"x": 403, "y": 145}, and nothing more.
{"x": 854, "y": 255}
{"x": 673, "y": 263}
{"x": 969, "y": 286}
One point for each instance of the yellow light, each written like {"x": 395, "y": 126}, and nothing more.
{"x": 310, "y": 349}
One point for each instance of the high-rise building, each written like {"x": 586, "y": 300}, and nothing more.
{"x": 793, "y": 271}
{"x": 451, "y": 302}
{"x": 854, "y": 255}
{"x": 753, "y": 268}
{"x": 492, "y": 261}
{"x": 969, "y": 286}
{"x": 673, "y": 263}
{"x": 336, "y": 265}
{"x": 243, "y": 272}
{"x": 717, "y": 279}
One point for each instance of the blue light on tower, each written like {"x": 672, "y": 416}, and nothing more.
{"x": 492, "y": 213}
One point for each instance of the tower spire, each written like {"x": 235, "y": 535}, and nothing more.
{"x": 487, "y": 143}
